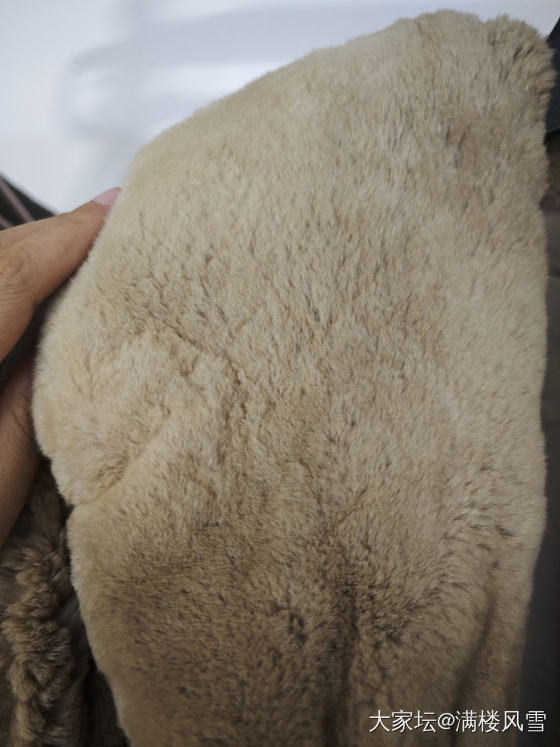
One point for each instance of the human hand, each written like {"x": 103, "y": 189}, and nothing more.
{"x": 35, "y": 258}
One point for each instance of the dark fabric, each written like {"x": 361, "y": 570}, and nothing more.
{"x": 553, "y": 115}
{"x": 540, "y": 679}
{"x": 7, "y": 209}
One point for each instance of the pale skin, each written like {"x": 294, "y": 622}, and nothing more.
{"x": 35, "y": 258}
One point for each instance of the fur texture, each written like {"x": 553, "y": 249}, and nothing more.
{"x": 293, "y": 397}
{"x": 51, "y": 693}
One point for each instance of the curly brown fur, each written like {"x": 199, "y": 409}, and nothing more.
{"x": 44, "y": 653}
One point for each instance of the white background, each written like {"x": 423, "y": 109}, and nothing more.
{"x": 85, "y": 84}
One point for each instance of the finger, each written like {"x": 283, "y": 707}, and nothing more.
{"x": 34, "y": 262}
{"x": 19, "y": 454}
{"x": 16, "y": 233}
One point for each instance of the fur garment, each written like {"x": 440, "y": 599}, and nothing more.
{"x": 292, "y": 397}
{"x": 51, "y": 692}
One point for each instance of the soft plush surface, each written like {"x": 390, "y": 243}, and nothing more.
{"x": 293, "y": 397}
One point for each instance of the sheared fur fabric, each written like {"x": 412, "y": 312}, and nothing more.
{"x": 293, "y": 397}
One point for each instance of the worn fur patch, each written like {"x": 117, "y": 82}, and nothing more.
{"x": 293, "y": 396}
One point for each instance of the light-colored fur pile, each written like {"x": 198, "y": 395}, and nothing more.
{"x": 293, "y": 396}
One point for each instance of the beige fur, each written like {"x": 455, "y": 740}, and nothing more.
{"x": 293, "y": 396}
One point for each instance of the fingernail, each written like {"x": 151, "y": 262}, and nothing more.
{"x": 108, "y": 197}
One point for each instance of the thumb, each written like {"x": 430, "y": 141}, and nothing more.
{"x": 38, "y": 257}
